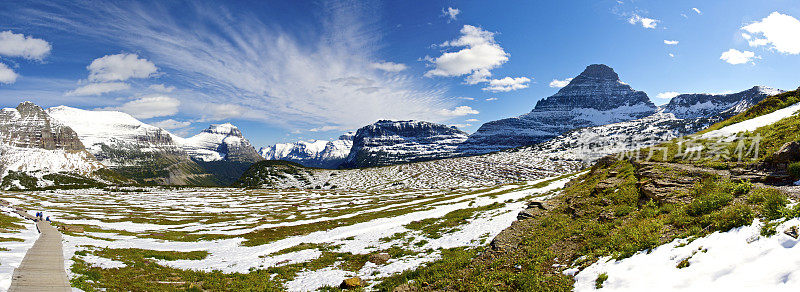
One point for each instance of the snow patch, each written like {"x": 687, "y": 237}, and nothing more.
{"x": 721, "y": 261}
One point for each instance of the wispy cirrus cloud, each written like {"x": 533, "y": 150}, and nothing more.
{"x": 255, "y": 70}
{"x": 98, "y": 89}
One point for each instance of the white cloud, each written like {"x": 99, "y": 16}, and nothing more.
{"x": 460, "y": 125}
{"x": 98, "y": 88}
{"x": 560, "y": 83}
{"x": 507, "y": 84}
{"x": 465, "y": 98}
{"x": 7, "y": 75}
{"x": 671, "y": 55}
{"x": 451, "y": 13}
{"x": 170, "y": 124}
{"x": 697, "y": 10}
{"x": 736, "y": 57}
{"x": 491, "y": 99}
{"x": 781, "y": 31}
{"x": 152, "y": 106}
{"x": 161, "y": 88}
{"x": 19, "y": 45}
{"x": 459, "y": 111}
{"x": 478, "y": 55}
{"x": 389, "y": 66}
{"x": 672, "y": 43}
{"x": 471, "y": 120}
{"x": 120, "y": 67}
{"x": 667, "y": 95}
{"x": 644, "y": 21}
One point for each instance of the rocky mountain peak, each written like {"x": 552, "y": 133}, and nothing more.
{"x": 599, "y": 72}
{"x": 29, "y": 126}
{"x": 226, "y": 129}
{"x": 27, "y": 108}
{"x": 595, "y": 97}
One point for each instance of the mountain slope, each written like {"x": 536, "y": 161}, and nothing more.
{"x": 392, "y": 142}
{"x": 221, "y": 150}
{"x": 595, "y": 97}
{"x": 33, "y": 145}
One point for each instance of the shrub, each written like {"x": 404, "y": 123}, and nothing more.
{"x": 708, "y": 203}
{"x": 794, "y": 170}
{"x": 600, "y": 279}
{"x": 732, "y": 216}
{"x": 772, "y": 202}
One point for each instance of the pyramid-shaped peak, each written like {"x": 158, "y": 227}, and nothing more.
{"x": 599, "y": 71}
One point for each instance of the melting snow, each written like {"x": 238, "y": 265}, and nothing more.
{"x": 738, "y": 260}
{"x": 754, "y": 123}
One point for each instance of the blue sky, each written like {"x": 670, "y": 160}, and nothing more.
{"x": 289, "y": 70}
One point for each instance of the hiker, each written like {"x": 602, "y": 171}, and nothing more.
{"x": 48, "y": 218}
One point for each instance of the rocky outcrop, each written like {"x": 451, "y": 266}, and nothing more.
{"x": 392, "y": 142}
{"x": 319, "y": 153}
{"x": 29, "y": 126}
{"x": 595, "y": 97}
{"x": 789, "y": 152}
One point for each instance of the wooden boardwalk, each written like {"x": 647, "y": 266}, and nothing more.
{"x": 42, "y": 268}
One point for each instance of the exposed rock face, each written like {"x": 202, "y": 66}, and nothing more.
{"x": 391, "y": 142}
{"x": 220, "y": 142}
{"x": 29, "y": 126}
{"x": 320, "y": 153}
{"x": 595, "y": 97}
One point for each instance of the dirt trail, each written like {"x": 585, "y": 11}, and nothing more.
{"x": 42, "y": 268}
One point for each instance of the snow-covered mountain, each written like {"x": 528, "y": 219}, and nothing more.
{"x": 595, "y": 97}
{"x": 220, "y": 142}
{"x": 689, "y": 106}
{"x": 319, "y": 153}
{"x": 391, "y": 142}
{"x": 683, "y": 115}
{"x": 33, "y": 143}
{"x": 136, "y": 150}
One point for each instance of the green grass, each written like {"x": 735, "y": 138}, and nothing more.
{"x": 10, "y": 223}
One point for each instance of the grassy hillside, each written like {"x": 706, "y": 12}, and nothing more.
{"x": 623, "y": 206}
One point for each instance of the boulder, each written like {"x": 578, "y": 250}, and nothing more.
{"x": 379, "y": 258}
{"x": 354, "y": 282}
{"x": 789, "y": 152}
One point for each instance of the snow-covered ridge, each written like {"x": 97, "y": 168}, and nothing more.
{"x": 318, "y": 153}
{"x": 114, "y": 129}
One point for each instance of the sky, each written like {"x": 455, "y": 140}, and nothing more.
{"x": 284, "y": 71}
